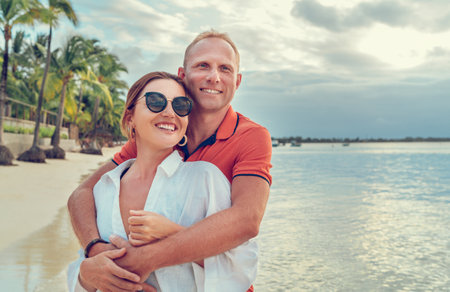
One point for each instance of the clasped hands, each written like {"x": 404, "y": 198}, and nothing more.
{"x": 120, "y": 266}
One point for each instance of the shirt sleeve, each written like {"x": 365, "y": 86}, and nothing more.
{"x": 72, "y": 274}
{"x": 128, "y": 151}
{"x": 255, "y": 154}
{"x": 234, "y": 270}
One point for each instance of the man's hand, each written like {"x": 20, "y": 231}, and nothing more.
{"x": 102, "y": 273}
{"x": 133, "y": 260}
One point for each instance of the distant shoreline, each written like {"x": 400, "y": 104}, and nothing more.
{"x": 299, "y": 140}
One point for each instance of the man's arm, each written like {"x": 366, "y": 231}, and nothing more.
{"x": 211, "y": 236}
{"x": 81, "y": 205}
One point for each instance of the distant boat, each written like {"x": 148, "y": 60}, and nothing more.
{"x": 345, "y": 144}
{"x": 296, "y": 144}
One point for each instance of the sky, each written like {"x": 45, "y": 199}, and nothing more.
{"x": 311, "y": 68}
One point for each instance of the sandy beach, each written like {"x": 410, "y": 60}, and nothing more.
{"x": 31, "y": 194}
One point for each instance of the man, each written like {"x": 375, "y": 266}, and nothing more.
{"x": 240, "y": 148}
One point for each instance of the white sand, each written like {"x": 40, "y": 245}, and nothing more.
{"x": 32, "y": 193}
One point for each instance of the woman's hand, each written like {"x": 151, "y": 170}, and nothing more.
{"x": 146, "y": 227}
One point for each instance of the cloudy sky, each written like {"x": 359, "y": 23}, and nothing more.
{"x": 311, "y": 68}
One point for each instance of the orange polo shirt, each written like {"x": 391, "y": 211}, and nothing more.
{"x": 239, "y": 147}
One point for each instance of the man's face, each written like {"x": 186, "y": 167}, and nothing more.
{"x": 211, "y": 74}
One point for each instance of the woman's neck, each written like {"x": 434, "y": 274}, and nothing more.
{"x": 147, "y": 160}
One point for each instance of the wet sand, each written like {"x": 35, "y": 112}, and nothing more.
{"x": 32, "y": 193}
{"x": 37, "y": 240}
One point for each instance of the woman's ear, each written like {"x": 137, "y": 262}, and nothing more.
{"x": 129, "y": 118}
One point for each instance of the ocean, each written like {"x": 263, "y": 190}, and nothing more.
{"x": 367, "y": 217}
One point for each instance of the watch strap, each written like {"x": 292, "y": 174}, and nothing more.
{"x": 91, "y": 244}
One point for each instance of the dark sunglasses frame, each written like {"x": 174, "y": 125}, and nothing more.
{"x": 176, "y": 101}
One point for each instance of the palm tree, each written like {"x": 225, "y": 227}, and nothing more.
{"x": 12, "y": 12}
{"x": 25, "y": 61}
{"x": 66, "y": 63}
{"x": 50, "y": 16}
{"x": 107, "y": 69}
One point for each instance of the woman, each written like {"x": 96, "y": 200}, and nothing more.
{"x": 172, "y": 193}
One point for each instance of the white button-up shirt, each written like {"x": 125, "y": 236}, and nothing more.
{"x": 185, "y": 193}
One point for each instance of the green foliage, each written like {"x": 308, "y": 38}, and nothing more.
{"x": 43, "y": 131}
{"x": 17, "y": 130}
{"x": 91, "y": 74}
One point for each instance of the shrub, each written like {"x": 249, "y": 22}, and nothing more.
{"x": 43, "y": 131}
{"x": 46, "y": 132}
{"x": 10, "y": 129}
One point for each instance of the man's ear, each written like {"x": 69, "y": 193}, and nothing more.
{"x": 181, "y": 73}
{"x": 238, "y": 80}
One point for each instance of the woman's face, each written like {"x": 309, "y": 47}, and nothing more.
{"x": 164, "y": 129}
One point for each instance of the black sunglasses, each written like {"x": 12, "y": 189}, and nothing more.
{"x": 157, "y": 102}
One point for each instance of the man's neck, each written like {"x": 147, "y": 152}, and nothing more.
{"x": 202, "y": 126}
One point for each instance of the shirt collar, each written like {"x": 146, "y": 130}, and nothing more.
{"x": 226, "y": 130}
{"x": 228, "y": 125}
{"x": 114, "y": 175}
{"x": 171, "y": 163}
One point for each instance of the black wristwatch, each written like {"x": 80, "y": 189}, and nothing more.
{"x": 91, "y": 244}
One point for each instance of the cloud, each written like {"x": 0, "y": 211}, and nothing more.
{"x": 293, "y": 103}
{"x": 430, "y": 16}
{"x": 155, "y": 30}
{"x": 362, "y": 15}
{"x": 140, "y": 63}
{"x": 317, "y": 14}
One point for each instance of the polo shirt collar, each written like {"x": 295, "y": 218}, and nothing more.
{"x": 228, "y": 125}
{"x": 226, "y": 130}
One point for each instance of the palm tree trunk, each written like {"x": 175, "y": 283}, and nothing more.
{"x": 7, "y": 35}
{"x": 59, "y": 118}
{"x": 80, "y": 97}
{"x": 95, "y": 117}
{"x": 41, "y": 91}
{"x": 6, "y": 157}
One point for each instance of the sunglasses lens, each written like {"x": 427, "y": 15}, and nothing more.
{"x": 156, "y": 102}
{"x": 182, "y": 105}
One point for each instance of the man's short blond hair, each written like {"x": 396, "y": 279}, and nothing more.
{"x": 212, "y": 34}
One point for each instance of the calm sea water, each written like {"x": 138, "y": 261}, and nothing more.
{"x": 368, "y": 217}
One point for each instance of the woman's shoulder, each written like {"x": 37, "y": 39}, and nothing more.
{"x": 115, "y": 174}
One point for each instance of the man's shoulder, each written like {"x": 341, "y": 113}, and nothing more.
{"x": 246, "y": 126}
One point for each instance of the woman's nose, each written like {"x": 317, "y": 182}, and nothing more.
{"x": 168, "y": 111}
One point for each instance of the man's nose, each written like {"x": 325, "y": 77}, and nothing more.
{"x": 214, "y": 76}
